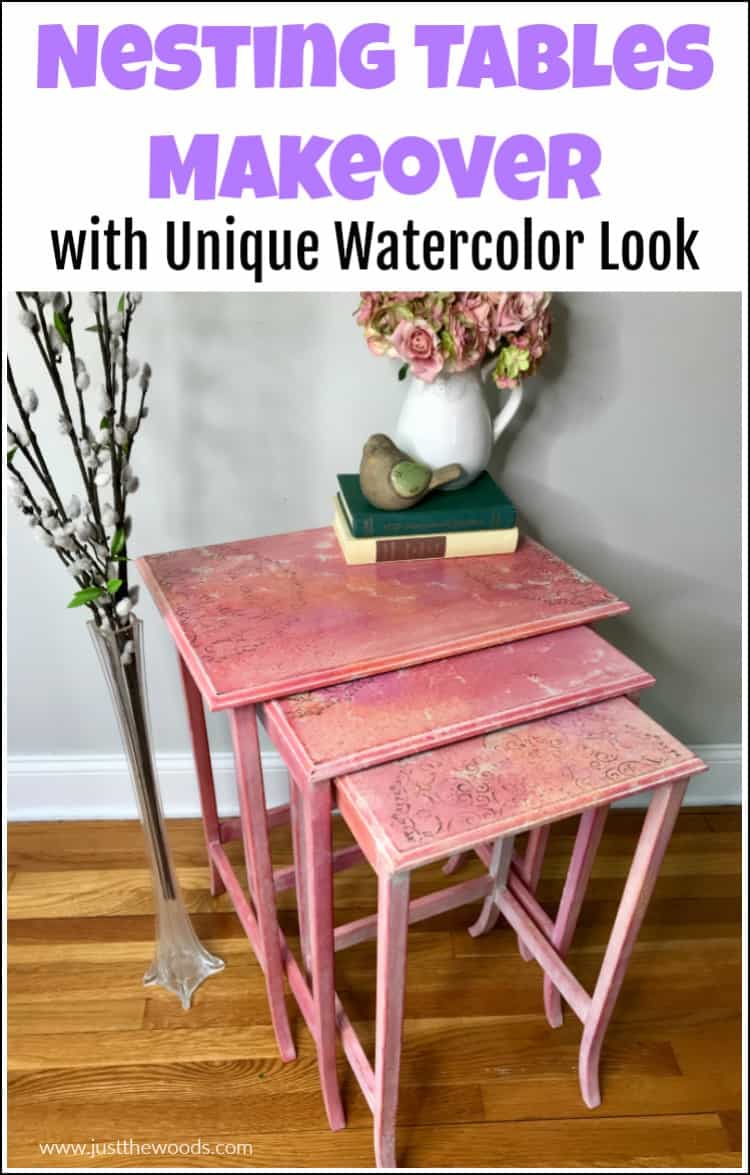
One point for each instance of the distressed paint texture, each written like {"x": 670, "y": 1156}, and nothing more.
{"x": 360, "y": 723}
{"x": 268, "y": 617}
{"x": 430, "y": 805}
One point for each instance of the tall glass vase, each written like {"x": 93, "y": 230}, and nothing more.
{"x": 180, "y": 960}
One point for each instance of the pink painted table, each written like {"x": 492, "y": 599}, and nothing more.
{"x": 267, "y": 617}
{"x": 478, "y": 794}
{"x": 257, "y": 621}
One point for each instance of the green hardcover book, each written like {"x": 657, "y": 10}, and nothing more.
{"x": 479, "y": 506}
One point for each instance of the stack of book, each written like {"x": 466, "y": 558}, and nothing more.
{"x": 476, "y": 520}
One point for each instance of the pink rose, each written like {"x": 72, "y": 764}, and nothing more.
{"x": 467, "y": 329}
{"x": 367, "y": 307}
{"x": 539, "y": 330}
{"x": 416, "y": 342}
{"x": 513, "y": 311}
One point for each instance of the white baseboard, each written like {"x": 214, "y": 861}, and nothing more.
{"x": 97, "y": 787}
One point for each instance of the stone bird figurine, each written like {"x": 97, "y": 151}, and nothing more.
{"x": 391, "y": 480}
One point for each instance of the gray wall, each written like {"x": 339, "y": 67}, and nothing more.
{"x": 624, "y": 459}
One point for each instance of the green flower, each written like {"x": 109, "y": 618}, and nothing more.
{"x": 512, "y": 362}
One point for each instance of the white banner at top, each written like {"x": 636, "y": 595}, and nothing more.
{"x": 304, "y": 146}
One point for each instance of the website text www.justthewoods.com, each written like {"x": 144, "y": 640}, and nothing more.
{"x": 94, "y": 1148}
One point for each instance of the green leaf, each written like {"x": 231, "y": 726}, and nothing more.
{"x": 85, "y": 596}
{"x": 104, "y": 422}
{"x": 62, "y": 327}
{"x": 118, "y": 542}
{"x": 94, "y": 327}
{"x": 11, "y": 453}
{"x": 113, "y": 586}
{"x": 403, "y": 371}
{"x": 121, "y": 304}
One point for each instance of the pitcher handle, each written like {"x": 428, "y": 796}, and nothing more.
{"x": 509, "y": 409}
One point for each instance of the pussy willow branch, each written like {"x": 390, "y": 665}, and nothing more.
{"x": 105, "y": 350}
{"x": 141, "y": 406}
{"x": 47, "y": 479}
{"x": 17, "y": 443}
{"x": 128, "y": 314}
{"x": 115, "y": 449}
{"x": 64, "y": 556}
{"x": 91, "y": 487}
{"x": 81, "y": 550}
{"x": 28, "y": 493}
{"x": 71, "y": 348}
{"x": 50, "y": 362}
{"x": 109, "y": 390}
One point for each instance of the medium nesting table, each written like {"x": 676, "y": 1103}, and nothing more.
{"x": 402, "y": 658}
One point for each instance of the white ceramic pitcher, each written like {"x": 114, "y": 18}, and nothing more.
{"x": 448, "y": 420}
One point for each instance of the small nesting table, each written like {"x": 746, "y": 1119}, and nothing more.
{"x": 419, "y": 809}
{"x": 402, "y": 657}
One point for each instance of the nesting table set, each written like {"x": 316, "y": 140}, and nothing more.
{"x": 443, "y": 706}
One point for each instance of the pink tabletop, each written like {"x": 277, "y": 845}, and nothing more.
{"x": 348, "y": 727}
{"x": 267, "y": 617}
{"x": 431, "y": 805}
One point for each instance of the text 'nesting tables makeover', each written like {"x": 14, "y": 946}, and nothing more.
{"x": 258, "y": 620}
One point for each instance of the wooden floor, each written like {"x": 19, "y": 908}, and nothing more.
{"x": 95, "y": 1056}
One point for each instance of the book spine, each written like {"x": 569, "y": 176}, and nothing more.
{"x": 425, "y": 547}
{"x": 359, "y": 551}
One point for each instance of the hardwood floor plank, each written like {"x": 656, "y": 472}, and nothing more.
{"x": 509, "y": 1101}
{"x": 253, "y": 1098}
{"x": 727, "y": 819}
{"x": 75, "y": 1016}
{"x": 117, "y": 1048}
{"x": 74, "y": 893}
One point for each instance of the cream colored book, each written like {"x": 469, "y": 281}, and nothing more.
{"x": 421, "y": 546}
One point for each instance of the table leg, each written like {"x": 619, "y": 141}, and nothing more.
{"x": 258, "y": 862}
{"x": 644, "y": 870}
{"x": 393, "y": 924}
{"x": 300, "y": 880}
{"x": 590, "y": 829}
{"x": 502, "y": 854}
{"x": 531, "y": 870}
{"x": 453, "y": 863}
{"x": 314, "y": 807}
{"x": 204, "y": 771}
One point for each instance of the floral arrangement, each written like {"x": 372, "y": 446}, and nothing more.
{"x": 89, "y": 531}
{"x": 442, "y": 332}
